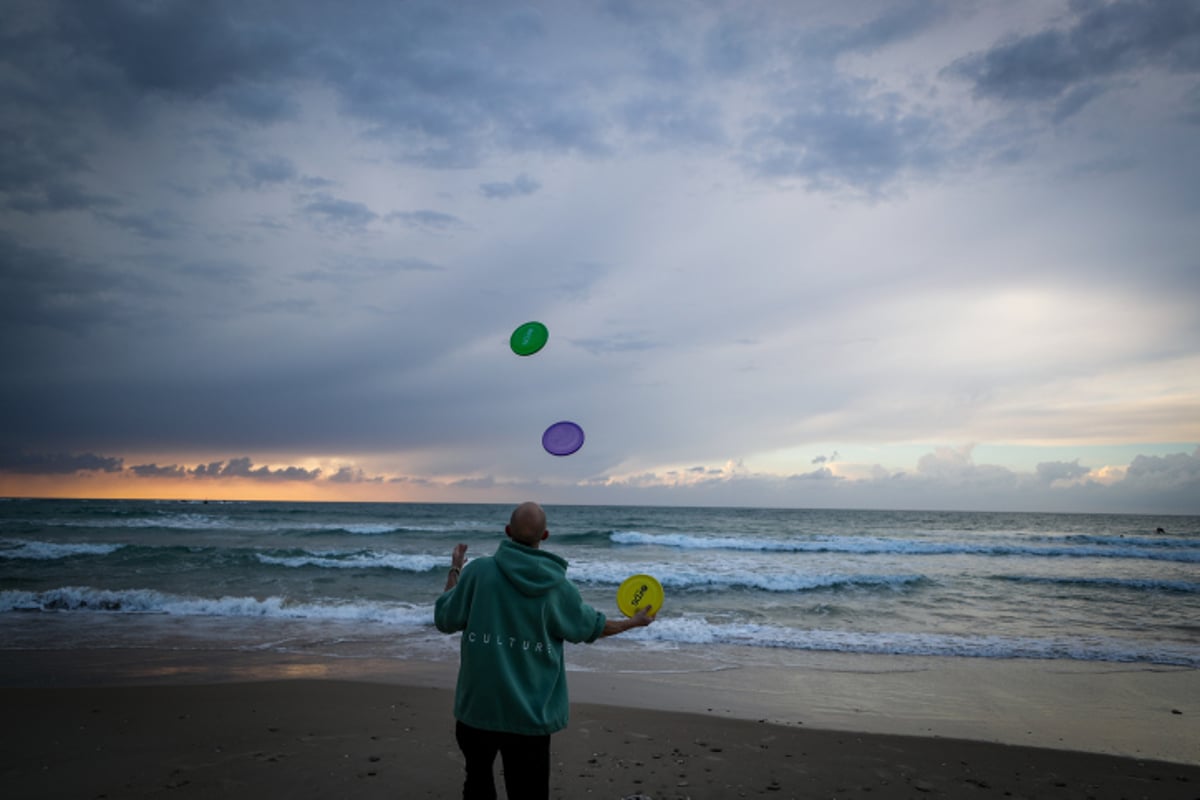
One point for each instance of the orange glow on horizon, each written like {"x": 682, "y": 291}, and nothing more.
{"x": 124, "y": 487}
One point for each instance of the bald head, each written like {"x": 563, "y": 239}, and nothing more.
{"x": 527, "y": 524}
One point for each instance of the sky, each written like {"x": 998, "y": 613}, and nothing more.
{"x": 865, "y": 254}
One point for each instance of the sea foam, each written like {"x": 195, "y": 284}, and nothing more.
{"x": 50, "y": 551}
{"x": 148, "y": 601}
{"x": 696, "y": 630}
{"x": 358, "y": 560}
{"x": 1154, "y": 550}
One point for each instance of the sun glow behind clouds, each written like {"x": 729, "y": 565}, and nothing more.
{"x": 1153, "y": 484}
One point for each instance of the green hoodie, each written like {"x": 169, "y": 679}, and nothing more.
{"x": 515, "y": 610}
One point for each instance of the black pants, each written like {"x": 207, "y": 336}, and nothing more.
{"x": 526, "y": 762}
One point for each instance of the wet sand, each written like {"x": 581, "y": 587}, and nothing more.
{"x": 114, "y": 724}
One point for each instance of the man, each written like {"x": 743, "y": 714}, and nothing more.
{"x": 515, "y": 609}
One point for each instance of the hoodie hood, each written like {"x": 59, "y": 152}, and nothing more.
{"x": 532, "y": 571}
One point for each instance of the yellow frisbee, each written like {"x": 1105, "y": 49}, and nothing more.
{"x": 639, "y": 591}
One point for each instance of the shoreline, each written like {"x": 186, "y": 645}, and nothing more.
{"x": 1124, "y": 710}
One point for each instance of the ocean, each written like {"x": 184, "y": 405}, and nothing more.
{"x": 742, "y": 585}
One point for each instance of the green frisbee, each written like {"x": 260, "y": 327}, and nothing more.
{"x": 529, "y": 338}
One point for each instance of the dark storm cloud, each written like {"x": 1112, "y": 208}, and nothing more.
{"x": 1076, "y": 62}
{"x": 74, "y": 463}
{"x": 45, "y": 290}
{"x": 160, "y": 223}
{"x": 155, "y": 471}
{"x": 244, "y": 468}
{"x": 424, "y": 78}
{"x": 815, "y": 123}
{"x": 36, "y": 144}
{"x": 348, "y": 475}
{"x": 40, "y": 175}
{"x": 180, "y": 48}
{"x": 38, "y": 168}
{"x": 264, "y": 105}
{"x": 56, "y": 463}
{"x": 445, "y": 89}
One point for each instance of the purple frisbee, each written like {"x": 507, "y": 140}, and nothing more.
{"x": 562, "y": 438}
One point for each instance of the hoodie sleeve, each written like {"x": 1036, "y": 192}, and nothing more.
{"x": 573, "y": 620}
{"x": 451, "y": 610}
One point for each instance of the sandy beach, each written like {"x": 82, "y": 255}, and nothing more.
{"x": 118, "y": 724}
